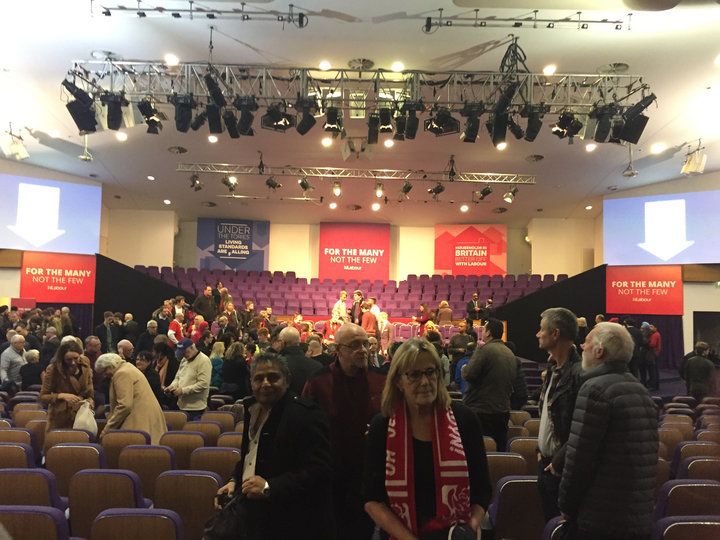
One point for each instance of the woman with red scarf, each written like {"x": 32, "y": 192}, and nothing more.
{"x": 425, "y": 469}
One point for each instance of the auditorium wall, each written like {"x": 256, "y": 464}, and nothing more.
{"x": 562, "y": 246}
{"x": 697, "y": 297}
{"x": 141, "y": 236}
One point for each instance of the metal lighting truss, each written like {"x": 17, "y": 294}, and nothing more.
{"x": 360, "y": 92}
{"x": 336, "y": 173}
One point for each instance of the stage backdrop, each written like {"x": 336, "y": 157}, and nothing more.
{"x": 354, "y": 251}
{"x": 646, "y": 290}
{"x": 235, "y": 244}
{"x": 470, "y": 249}
{"x": 58, "y": 278}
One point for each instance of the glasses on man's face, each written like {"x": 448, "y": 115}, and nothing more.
{"x": 356, "y": 345}
{"x": 415, "y": 375}
{"x": 272, "y": 378}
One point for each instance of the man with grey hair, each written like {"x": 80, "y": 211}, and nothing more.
{"x": 557, "y": 335}
{"x": 301, "y": 367}
{"x": 11, "y": 360}
{"x": 30, "y": 373}
{"x": 50, "y": 345}
{"x": 145, "y": 341}
{"x": 608, "y": 484}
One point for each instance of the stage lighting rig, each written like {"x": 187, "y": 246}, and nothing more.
{"x": 436, "y": 190}
{"x": 184, "y": 105}
{"x": 195, "y": 183}
{"x": 273, "y": 184}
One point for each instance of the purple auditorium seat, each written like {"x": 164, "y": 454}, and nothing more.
{"x": 511, "y": 493}
{"x": 561, "y": 277}
{"x": 141, "y": 268}
{"x": 133, "y": 523}
{"x": 290, "y": 276}
{"x": 535, "y": 278}
{"x": 30, "y": 522}
{"x": 548, "y": 279}
{"x": 685, "y": 449}
{"x": 552, "y": 529}
{"x": 266, "y": 274}
{"x": 153, "y": 272}
{"x": 682, "y": 527}
{"x": 688, "y": 498}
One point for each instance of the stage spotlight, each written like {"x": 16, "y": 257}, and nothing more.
{"x": 184, "y": 105}
{"x": 214, "y": 90}
{"x": 151, "y": 116}
{"x": 406, "y": 189}
{"x": 80, "y": 95}
{"x": 213, "y": 118}
{"x": 379, "y": 190}
{"x": 633, "y": 128}
{"x": 114, "y": 103}
{"x": 247, "y": 106}
{"x": 304, "y": 184}
{"x": 499, "y": 131}
{"x": 273, "y": 184}
{"x": 231, "y": 124}
{"x": 639, "y": 107}
{"x": 472, "y": 127}
{"x": 229, "y": 182}
{"x": 505, "y": 99}
{"x": 411, "y": 125}
{"x": 604, "y": 116}
{"x": 486, "y": 192}
{"x": 437, "y": 190}
{"x": 306, "y": 123}
{"x": 333, "y": 120}
{"x": 337, "y": 189}
{"x": 515, "y": 129}
{"x": 386, "y": 120}
{"x": 277, "y": 120}
{"x": 81, "y": 109}
{"x": 195, "y": 183}
{"x": 509, "y": 197}
{"x": 373, "y": 128}
{"x": 400, "y": 124}
{"x": 198, "y": 121}
{"x": 567, "y": 126}
{"x": 534, "y": 125}
{"x": 443, "y": 123}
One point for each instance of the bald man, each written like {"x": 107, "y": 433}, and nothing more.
{"x": 608, "y": 483}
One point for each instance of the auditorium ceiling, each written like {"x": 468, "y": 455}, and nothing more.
{"x": 673, "y": 45}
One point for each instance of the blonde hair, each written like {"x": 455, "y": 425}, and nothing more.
{"x": 218, "y": 349}
{"x": 444, "y": 304}
{"x": 402, "y": 361}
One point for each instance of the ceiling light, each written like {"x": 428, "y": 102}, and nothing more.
{"x": 379, "y": 191}
{"x": 437, "y": 190}
{"x": 590, "y": 147}
{"x": 151, "y": 178}
{"x": 397, "y": 66}
{"x": 337, "y": 189}
{"x": 406, "y": 189}
{"x": 324, "y": 65}
{"x": 212, "y": 139}
{"x": 464, "y": 208}
{"x": 304, "y": 184}
{"x": 443, "y": 123}
{"x": 549, "y": 70}
{"x": 501, "y": 146}
{"x": 333, "y": 120}
{"x": 276, "y": 119}
{"x": 195, "y": 183}
{"x": 411, "y": 125}
{"x": 486, "y": 192}
{"x": 167, "y": 201}
{"x": 229, "y": 182}
{"x": 332, "y": 205}
{"x": 658, "y": 148}
{"x": 588, "y": 207}
{"x": 509, "y": 197}
{"x": 389, "y": 143}
{"x": 326, "y": 142}
{"x": 184, "y": 104}
{"x": 273, "y": 184}
{"x": 121, "y": 136}
{"x": 375, "y": 206}
{"x": 171, "y": 60}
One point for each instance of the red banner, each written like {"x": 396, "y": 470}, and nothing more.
{"x": 354, "y": 251}
{"x": 58, "y": 278}
{"x": 462, "y": 250}
{"x": 644, "y": 290}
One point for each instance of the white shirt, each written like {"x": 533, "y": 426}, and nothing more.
{"x": 254, "y": 442}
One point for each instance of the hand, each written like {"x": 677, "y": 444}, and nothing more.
{"x": 70, "y": 398}
{"x": 177, "y": 391}
{"x": 564, "y": 516}
{"x": 477, "y": 513}
{"x": 551, "y": 470}
{"x": 228, "y": 489}
{"x": 253, "y": 487}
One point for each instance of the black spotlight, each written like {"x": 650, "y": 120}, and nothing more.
{"x": 472, "y": 127}
{"x": 443, "y": 123}
{"x": 198, "y": 121}
{"x": 246, "y": 105}
{"x": 80, "y": 95}
{"x": 373, "y": 128}
{"x": 406, "y": 189}
{"x": 213, "y": 118}
{"x": 273, "y": 184}
{"x": 515, "y": 129}
{"x": 114, "y": 103}
{"x": 534, "y": 125}
{"x": 306, "y": 123}
{"x": 333, "y": 120}
{"x": 151, "y": 116}
{"x": 400, "y": 124}
{"x": 567, "y": 126}
{"x": 437, "y": 190}
{"x": 231, "y": 124}
{"x": 486, "y": 192}
{"x": 81, "y": 109}
{"x": 499, "y": 130}
{"x": 214, "y": 90}
{"x": 411, "y": 125}
{"x": 184, "y": 105}
{"x": 604, "y": 116}
{"x": 386, "y": 120}
{"x": 277, "y": 120}
{"x": 633, "y": 128}
{"x": 639, "y": 107}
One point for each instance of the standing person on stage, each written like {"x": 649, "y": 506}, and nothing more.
{"x": 473, "y": 310}
{"x": 557, "y": 334}
{"x": 339, "y": 310}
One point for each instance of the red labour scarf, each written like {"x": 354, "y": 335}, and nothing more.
{"x": 452, "y": 483}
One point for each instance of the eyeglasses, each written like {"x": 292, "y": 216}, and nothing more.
{"x": 355, "y": 345}
{"x": 416, "y": 375}
{"x": 272, "y": 378}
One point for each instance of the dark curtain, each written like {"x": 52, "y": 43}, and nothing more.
{"x": 81, "y": 313}
{"x": 671, "y": 337}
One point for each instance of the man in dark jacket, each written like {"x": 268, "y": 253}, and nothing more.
{"x": 285, "y": 466}
{"x": 205, "y": 305}
{"x": 108, "y": 332}
{"x": 490, "y": 374}
{"x": 557, "y": 334}
{"x": 608, "y": 484}
{"x": 698, "y": 372}
{"x": 301, "y": 367}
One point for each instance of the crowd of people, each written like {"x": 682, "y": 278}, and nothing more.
{"x": 348, "y": 430}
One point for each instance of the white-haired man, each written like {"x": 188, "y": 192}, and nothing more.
{"x": 11, "y": 360}
{"x": 192, "y": 381}
{"x": 608, "y": 483}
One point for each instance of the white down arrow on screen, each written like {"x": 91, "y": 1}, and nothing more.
{"x": 665, "y": 234}
{"x": 38, "y": 212}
